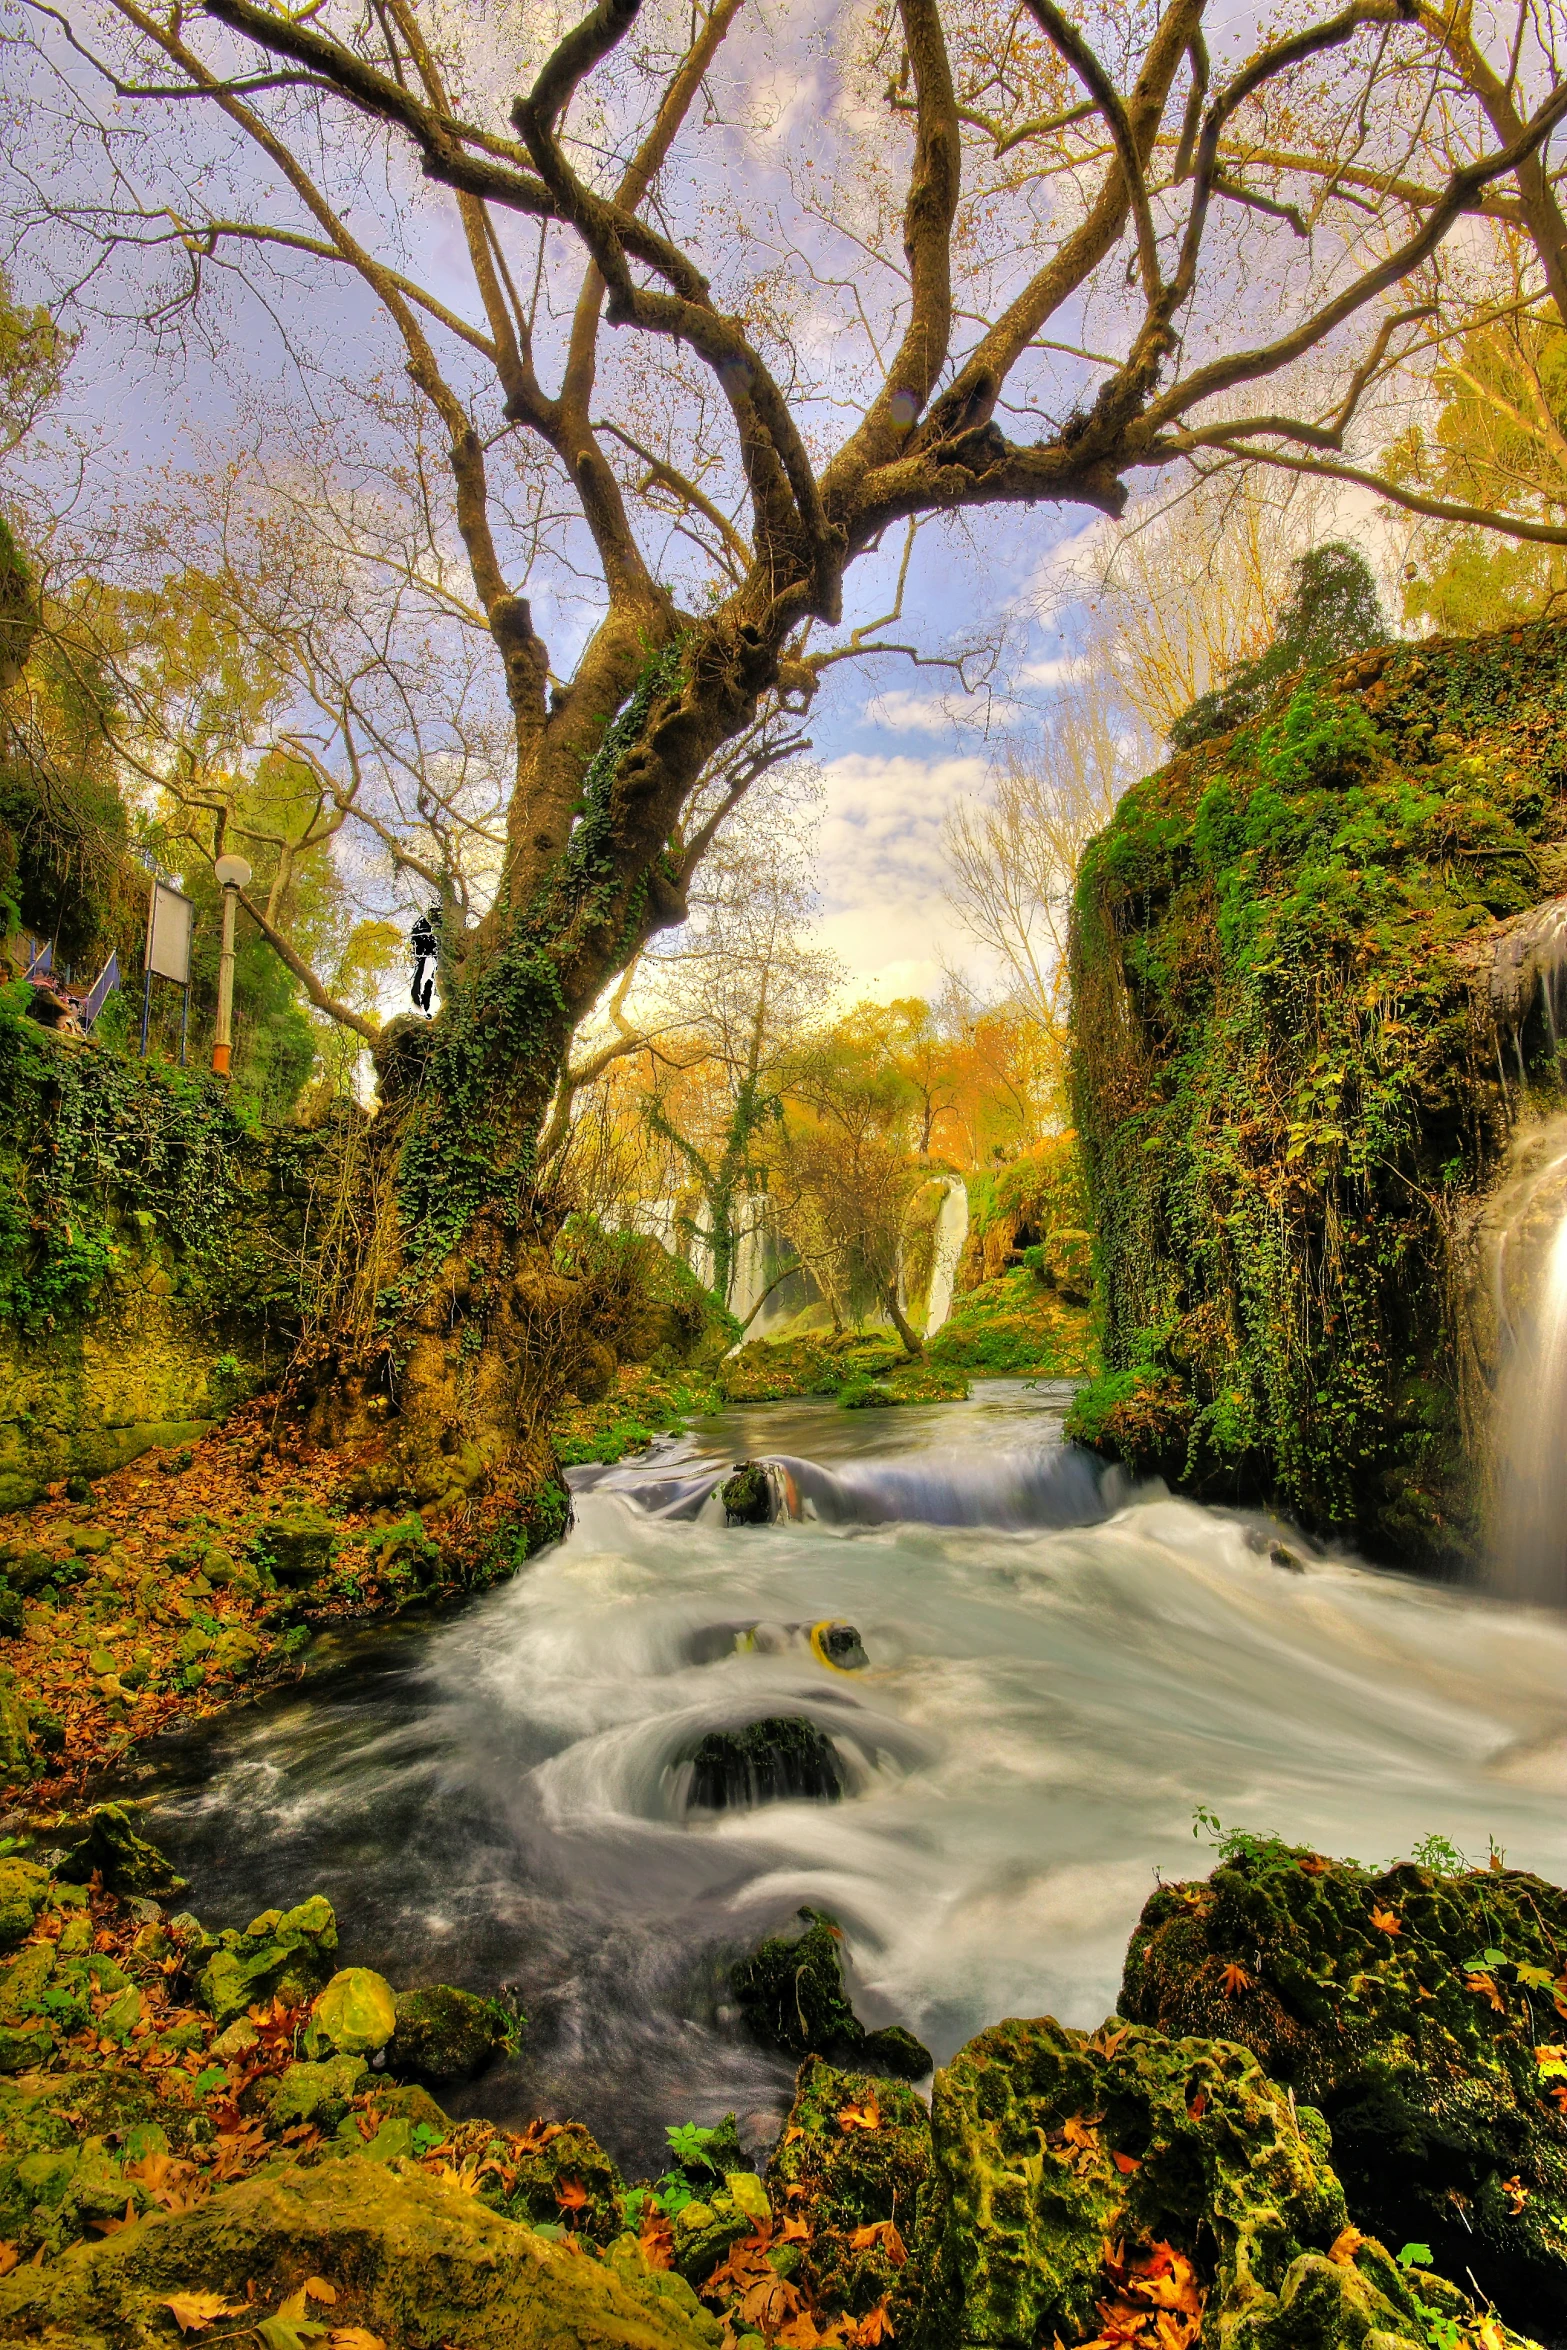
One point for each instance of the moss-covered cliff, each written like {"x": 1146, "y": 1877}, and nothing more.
{"x": 1287, "y": 1080}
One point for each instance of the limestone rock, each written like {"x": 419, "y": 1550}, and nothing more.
{"x": 1411, "y": 2008}
{"x": 24, "y": 1888}
{"x": 16, "y": 1753}
{"x": 310, "y": 2092}
{"x": 411, "y": 2260}
{"x": 444, "y": 2034}
{"x": 569, "y": 2179}
{"x": 1062, "y": 2164}
{"x": 356, "y": 2013}
{"x": 282, "y": 1954}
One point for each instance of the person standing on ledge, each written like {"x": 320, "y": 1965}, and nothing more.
{"x": 425, "y": 940}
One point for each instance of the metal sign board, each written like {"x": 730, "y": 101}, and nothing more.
{"x": 169, "y": 920}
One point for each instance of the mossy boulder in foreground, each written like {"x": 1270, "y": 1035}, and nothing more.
{"x": 406, "y": 2257}
{"x": 1423, "y": 2013}
{"x": 1137, "y": 2189}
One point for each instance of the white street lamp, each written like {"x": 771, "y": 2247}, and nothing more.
{"x": 233, "y": 875}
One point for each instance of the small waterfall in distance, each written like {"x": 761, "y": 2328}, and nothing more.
{"x": 1527, "y": 1226}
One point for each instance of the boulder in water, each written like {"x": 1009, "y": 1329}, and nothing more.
{"x": 782, "y": 1756}
{"x": 1419, "y": 2011}
{"x": 792, "y": 1994}
{"x": 747, "y": 1496}
{"x": 1137, "y": 2188}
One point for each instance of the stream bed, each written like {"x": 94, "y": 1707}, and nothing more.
{"x": 1059, "y": 1671}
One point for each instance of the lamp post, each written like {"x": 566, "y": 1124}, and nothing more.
{"x": 234, "y": 875}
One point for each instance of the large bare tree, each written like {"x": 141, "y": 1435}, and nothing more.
{"x": 747, "y": 303}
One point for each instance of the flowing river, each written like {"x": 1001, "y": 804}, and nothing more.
{"x": 1059, "y": 1670}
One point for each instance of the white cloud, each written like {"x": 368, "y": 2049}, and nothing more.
{"x": 882, "y": 869}
{"x": 903, "y": 712}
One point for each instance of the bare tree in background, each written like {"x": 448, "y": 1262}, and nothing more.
{"x": 1013, "y": 853}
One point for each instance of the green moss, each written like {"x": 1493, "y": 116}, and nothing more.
{"x": 792, "y": 1994}
{"x": 841, "y": 2178}
{"x": 1013, "y": 1327}
{"x": 1419, "y": 2036}
{"x": 1283, "y": 1095}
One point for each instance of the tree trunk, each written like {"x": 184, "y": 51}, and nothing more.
{"x": 912, "y": 1346}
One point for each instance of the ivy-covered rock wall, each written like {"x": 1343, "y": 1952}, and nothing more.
{"x": 1287, "y": 1082}
{"x": 149, "y": 1256}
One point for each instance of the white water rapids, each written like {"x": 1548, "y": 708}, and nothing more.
{"x": 1048, "y": 1697}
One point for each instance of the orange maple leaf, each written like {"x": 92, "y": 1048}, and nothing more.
{"x": 864, "y": 2116}
{"x": 794, "y": 2231}
{"x": 194, "y": 2312}
{"x": 875, "y": 2326}
{"x": 1484, "y": 1986}
{"x": 572, "y": 2195}
{"x": 1234, "y": 1980}
{"x": 1387, "y": 1921}
{"x": 881, "y": 2235}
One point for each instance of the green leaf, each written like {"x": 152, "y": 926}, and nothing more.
{"x": 213, "y": 2076}
{"x": 290, "y": 2333}
{"x": 1539, "y": 1978}
{"x": 1415, "y": 2256}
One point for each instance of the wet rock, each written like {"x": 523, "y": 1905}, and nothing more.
{"x": 88, "y": 1541}
{"x": 1419, "y": 2012}
{"x": 356, "y": 2013}
{"x": 770, "y": 1761}
{"x": 854, "y": 2156}
{"x": 296, "y": 1547}
{"x": 408, "y": 2259}
{"x": 443, "y": 2034}
{"x": 840, "y": 1645}
{"x": 126, "y": 1862}
{"x": 792, "y": 1994}
{"x": 1079, "y": 2183}
{"x": 747, "y": 1496}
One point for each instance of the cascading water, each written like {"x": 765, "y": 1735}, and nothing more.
{"x": 1528, "y": 1250}
{"x": 1049, "y": 1674}
{"x": 951, "y": 1232}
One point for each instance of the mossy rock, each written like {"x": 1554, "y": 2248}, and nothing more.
{"x": 316, "y": 2093}
{"x": 791, "y": 1994}
{"x": 1428, "y": 2068}
{"x": 567, "y": 2180}
{"x": 355, "y": 2014}
{"x": 126, "y": 1862}
{"x": 746, "y": 1495}
{"x": 1069, "y": 2171}
{"x": 282, "y": 1954}
{"x": 781, "y": 1758}
{"x": 409, "y": 2258}
{"x": 24, "y": 1888}
{"x": 704, "y": 2230}
{"x": 841, "y": 2176}
{"x": 443, "y": 2034}
{"x": 295, "y": 1547}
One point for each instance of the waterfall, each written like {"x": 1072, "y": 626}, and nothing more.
{"x": 951, "y": 1233}
{"x": 1528, "y": 1251}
